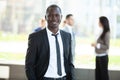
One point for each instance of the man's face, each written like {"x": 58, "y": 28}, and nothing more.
{"x": 53, "y": 17}
{"x": 100, "y": 25}
{"x": 43, "y": 23}
{"x": 70, "y": 21}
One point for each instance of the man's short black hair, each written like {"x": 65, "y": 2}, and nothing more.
{"x": 53, "y": 6}
{"x": 69, "y": 15}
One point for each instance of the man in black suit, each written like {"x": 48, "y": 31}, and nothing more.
{"x": 49, "y": 50}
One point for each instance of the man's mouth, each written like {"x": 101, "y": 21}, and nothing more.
{"x": 54, "y": 23}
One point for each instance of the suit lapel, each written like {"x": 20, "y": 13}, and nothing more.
{"x": 64, "y": 42}
{"x": 46, "y": 42}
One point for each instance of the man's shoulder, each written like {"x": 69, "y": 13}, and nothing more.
{"x": 65, "y": 33}
{"x": 65, "y": 28}
{"x": 37, "y": 29}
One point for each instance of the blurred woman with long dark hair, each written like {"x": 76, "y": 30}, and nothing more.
{"x": 101, "y": 49}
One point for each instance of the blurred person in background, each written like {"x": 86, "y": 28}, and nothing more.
{"x": 42, "y": 25}
{"x": 101, "y": 49}
{"x": 63, "y": 23}
{"x": 49, "y": 55}
{"x": 68, "y": 27}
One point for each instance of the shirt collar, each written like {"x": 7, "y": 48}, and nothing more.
{"x": 70, "y": 27}
{"x": 50, "y": 33}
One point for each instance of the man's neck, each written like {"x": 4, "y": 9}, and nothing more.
{"x": 53, "y": 30}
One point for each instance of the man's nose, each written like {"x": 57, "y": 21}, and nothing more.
{"x": 54, "y": 18}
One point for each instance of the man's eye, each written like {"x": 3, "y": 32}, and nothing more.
{"x": 49, "y": 15}
{"x": 57, "y": 15}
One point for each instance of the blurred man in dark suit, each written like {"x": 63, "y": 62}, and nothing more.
{"x": 42, "y": 25}
{"x": 69, "y": 28}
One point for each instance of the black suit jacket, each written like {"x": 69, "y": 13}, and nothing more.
{"x": 38, "y": 54}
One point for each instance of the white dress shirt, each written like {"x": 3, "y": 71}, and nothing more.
{"x": 52, "y": 67}
{"x": 69, "y": 28}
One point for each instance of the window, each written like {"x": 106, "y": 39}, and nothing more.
{"x": 13, "y": 39}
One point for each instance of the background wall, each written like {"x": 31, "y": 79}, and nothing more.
{"x": 17, "y": 72}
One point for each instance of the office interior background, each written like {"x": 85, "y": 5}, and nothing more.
{"x": 18, "y": 18}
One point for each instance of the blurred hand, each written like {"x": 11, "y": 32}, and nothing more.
{"x": 93, "y": 44}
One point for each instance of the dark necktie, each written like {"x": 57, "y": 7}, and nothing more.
{"x": 58, "y": 55}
